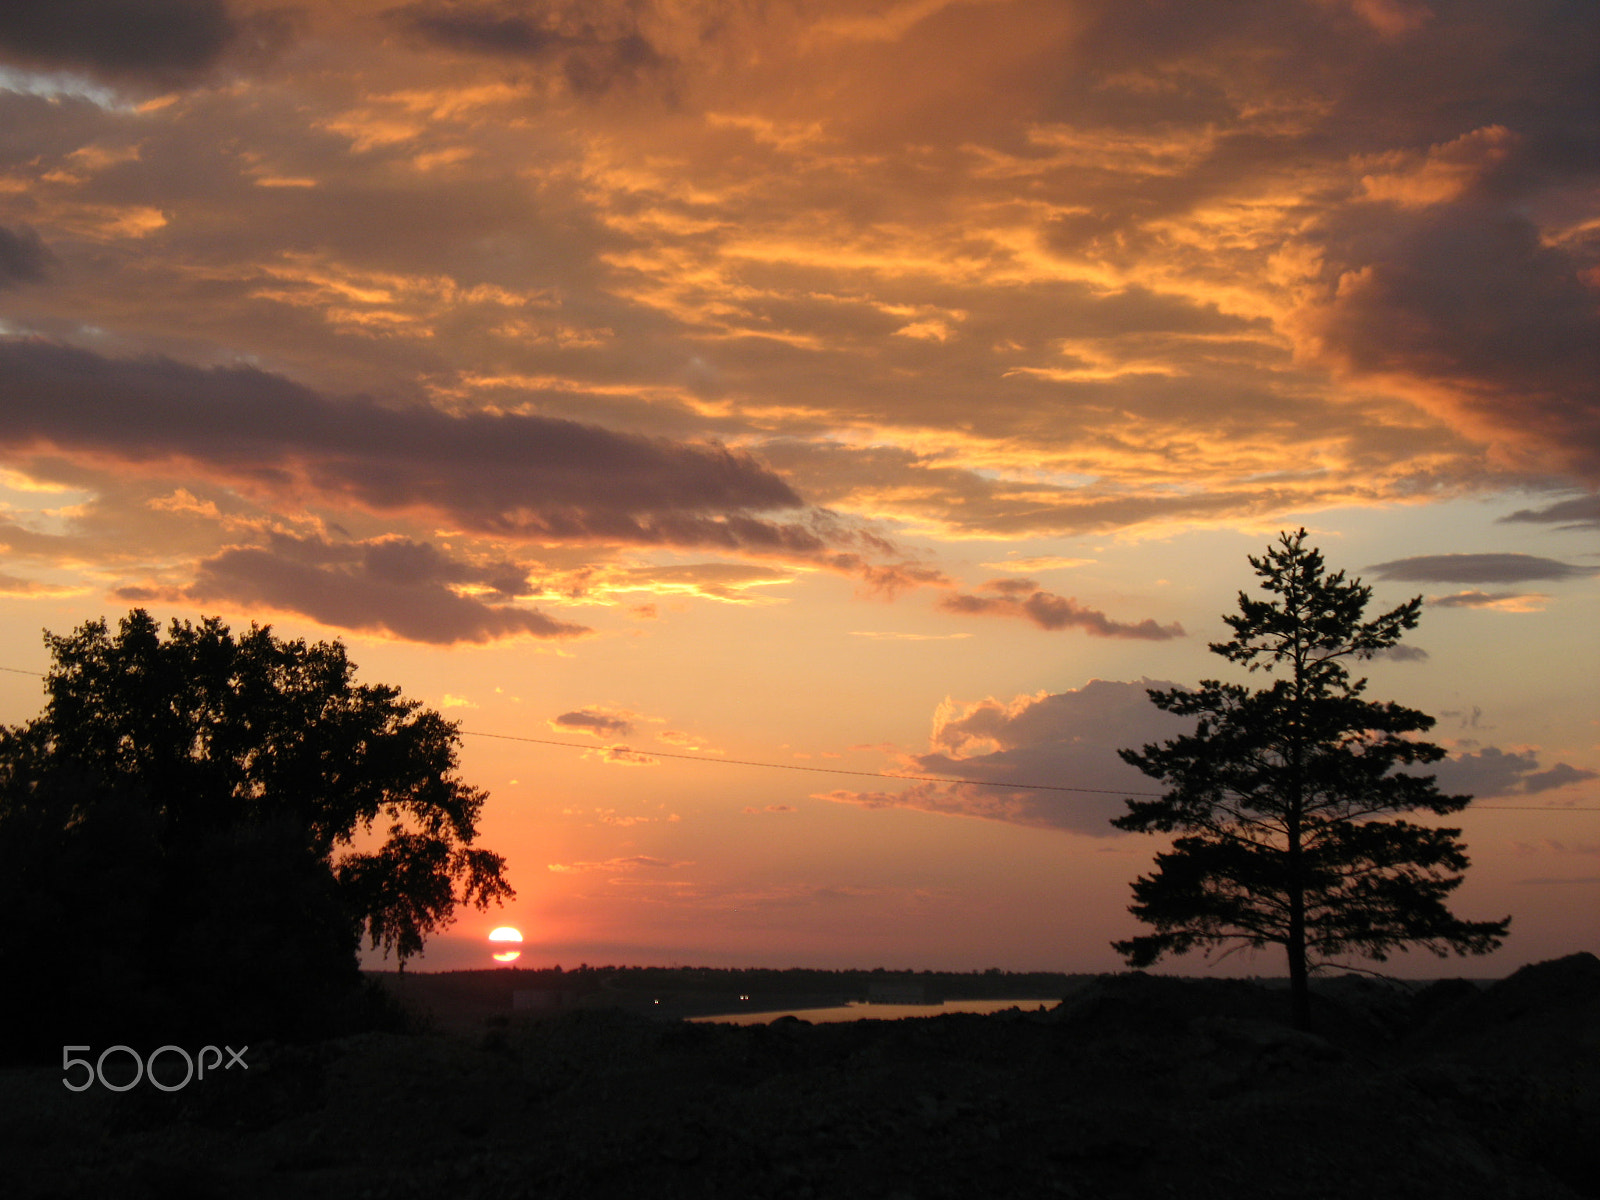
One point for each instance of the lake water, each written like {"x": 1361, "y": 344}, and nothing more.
{"x": 879, "y": 1012}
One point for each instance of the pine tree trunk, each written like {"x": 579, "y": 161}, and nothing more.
{"x": 1299, "y": 983}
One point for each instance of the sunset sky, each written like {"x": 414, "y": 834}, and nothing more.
{"x": 890, "y": 387}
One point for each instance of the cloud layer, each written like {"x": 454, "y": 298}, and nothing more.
{"x": 796, "y": 285}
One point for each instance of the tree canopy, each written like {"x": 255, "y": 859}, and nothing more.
{"x": 1278, "y": 793}
{"x": 258, "y": 809}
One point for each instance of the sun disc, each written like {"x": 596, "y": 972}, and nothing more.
{"x": 506, "y": 934}
{"x": 507, "y": 956}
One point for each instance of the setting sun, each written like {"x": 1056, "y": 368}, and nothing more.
{"x": 510, "y": 939}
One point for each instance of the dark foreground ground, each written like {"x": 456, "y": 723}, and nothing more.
{"x": 1135, "y": 1086}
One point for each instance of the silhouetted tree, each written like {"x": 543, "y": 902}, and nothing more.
{"x": 1278, "y": 791}
{"x": 201, "y": 829}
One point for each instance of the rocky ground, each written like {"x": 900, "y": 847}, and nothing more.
{"x": 1135, "y": 1086}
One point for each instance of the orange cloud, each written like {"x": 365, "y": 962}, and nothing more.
{"x": 1514, "y": 602}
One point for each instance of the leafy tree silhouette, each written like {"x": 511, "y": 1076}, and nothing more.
{"x": 1278, "y": 791}
{"x": 198, "y": 830}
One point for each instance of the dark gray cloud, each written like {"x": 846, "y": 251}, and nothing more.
{"x": 1477, "y": 568}
{"x": 592, "y": 57}
{"x": 1023, "y": 598}
{"x": 503, "y": 29}
{"x": 1398, "y": 653}
{"x": 501, "y": 474}
{"x": 1500, "y": 331}
{"x": 1067, "y": 738}
{"x": 1580, "y": 512}
{"x": 23, "y": 257}
{"x": 391, "y": 585}
{"x": 1492, "y": 772}
{"x": 596, "y": 721}
{"x": 158, "y": 40}
{"x": 405, "y": 563}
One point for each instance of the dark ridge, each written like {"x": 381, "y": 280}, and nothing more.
{"x": 1136, "y": 1086}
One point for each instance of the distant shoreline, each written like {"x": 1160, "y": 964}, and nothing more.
{"x": 465, "y": 999}
{"x": 868, "y": 1011}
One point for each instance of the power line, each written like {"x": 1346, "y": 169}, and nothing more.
{"x": 747, "y": 762}
{"x": 1035, "y": 787}
{"x": 1524, "y": 808}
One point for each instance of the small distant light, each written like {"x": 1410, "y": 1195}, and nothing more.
{"x": 744, "y": 997}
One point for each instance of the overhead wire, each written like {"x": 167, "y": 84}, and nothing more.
{"x": 746, "y": 762}
{"x": 994, "y": 783}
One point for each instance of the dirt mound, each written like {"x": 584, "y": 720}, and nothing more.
{"x": 1349, "y": 1010}
{"x": 1521, "y": 1060}
{"x": 1140, "y": 1086}
{"x": 1547, "y": 1012}
{"x": 1136, "y": 1002}
{"x": 1542, "y": 987}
